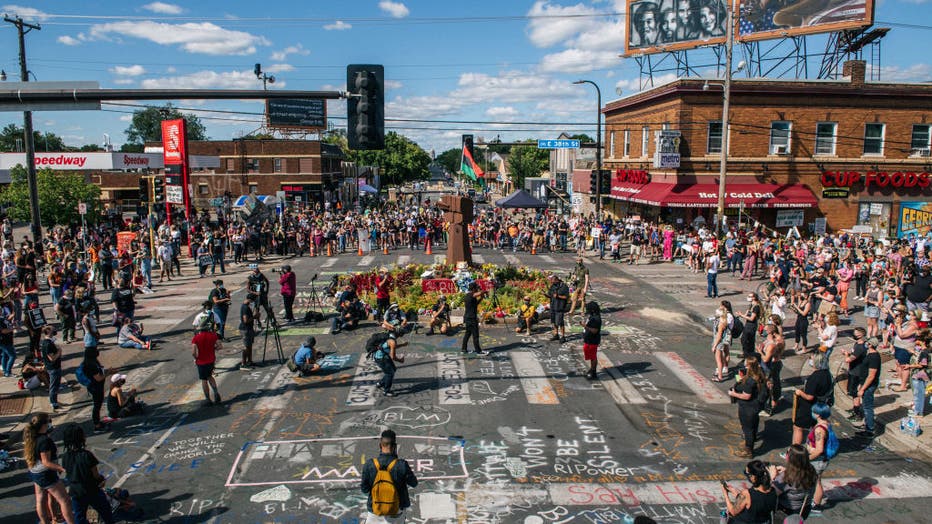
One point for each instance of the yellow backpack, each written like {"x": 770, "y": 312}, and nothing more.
{"x": 385, "y": 501}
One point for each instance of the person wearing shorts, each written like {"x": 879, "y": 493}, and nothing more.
{"x": 204, "y": 347}
{"x": 592, "y": 336}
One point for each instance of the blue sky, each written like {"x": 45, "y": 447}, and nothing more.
{"x": 480, "y": 60}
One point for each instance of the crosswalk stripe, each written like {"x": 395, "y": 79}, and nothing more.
{"x": 329, "y": 262}
{"x": 366, "y": 260}
{"x": 403, "y": 260}
{"x": 162, "y": 321}
{"x": 536, "y": 385}
{"x": 511, "y": 259}
{"x": 618, "y": 385}
{"x": 362, "y": 392}
{"x": 478, "y": 259}
{"x": 451, "y": 376}
{"x": 274, "y": 396}
{"x": 701, "y": 386}
{"x": 547, "y": 258}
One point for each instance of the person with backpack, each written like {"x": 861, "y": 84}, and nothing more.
{"x": 385, "y": 480}
{"x": 85, "y": 482}
{"x": 822, "y": 445}
{"x": 207, "y": 319}
{"x": 819, "y": 387}
{"x": 385, "y": 356}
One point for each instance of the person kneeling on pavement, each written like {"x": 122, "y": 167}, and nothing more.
{"x": 527, "y": 316}
{"x": 440, "y": 316}
{"x": 305, "y": 359}
{"x": 349, "y": 313}
{"x": 122, "y": 404}
{"x": 131, "y": 336}
{"x": 395, "y": 319}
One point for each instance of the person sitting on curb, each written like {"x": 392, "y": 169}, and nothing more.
{"x": 131, "y": 336}
{"x": 527, "y": 316}
{"x": 306, "y": 357}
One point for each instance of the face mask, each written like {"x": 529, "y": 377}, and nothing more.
{"x": 50, "y": 429}
{"x": 750, "y": 299}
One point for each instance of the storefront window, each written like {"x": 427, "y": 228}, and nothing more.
{"x": 877, "y": 216}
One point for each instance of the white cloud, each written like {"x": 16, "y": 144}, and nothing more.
{"x": 133, "y": 70}
{"x": 552, "y": 27}
{"x": 394, "y": 9}
{"x": 510, "y": 87}
{"x": 278, "y": 68}
{"x": 913, "y": 73}
{"x": 501, "y": 112}
{"x": 338, "y": 25}
{"x": 296, "y": 49}
{"x": 205, "y": 38}
{"x": 171, "y": 69}
{"x": 207, "y": 80}
{"x": 163, "y": 8}
{"x": 124, "y": 81}
{"x": 69, "y": 40}
{"x": 633, "y": 85}
{"x": 393, "y": 84}
{"x": 126, "y": 118}
{"x": 26, "y": 13}
{"x": 578, "y": 61}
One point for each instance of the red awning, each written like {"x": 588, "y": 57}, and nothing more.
{"x": 706, "y": 195}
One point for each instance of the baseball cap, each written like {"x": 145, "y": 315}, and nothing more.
{"x": 873, "y": 342}
{"x": 117, "y": 377}
{"x": 253, "y": 266}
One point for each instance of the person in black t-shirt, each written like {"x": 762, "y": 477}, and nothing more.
{"x": 123, "y": 302}
{"x": 559, "y": 302}
{"x": 41, "y": 454}
{"x": 84, "y": 480}
{"x": 220, "y": 298}
{"x": 247, "y": 326}
{"x": 51, "y": 357}
{"x": 857, "y": 371}
{"x": 474, "y": 295}
{"x": 867, "y": 389}
{"x": 919, "y": 292}
{"x": 751, "y": 319}
{"x": 818, "y": 386}
{"x": 592, "y": 336}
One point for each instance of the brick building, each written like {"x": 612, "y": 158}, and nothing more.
{"x": 851, "y": 152}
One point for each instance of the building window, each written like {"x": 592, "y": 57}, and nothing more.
{"x": 645, "y": 140}
{"x": 252, "y": 165}
{"x": 202, "y": 189}
{"x": 627, "y": 144}
{"x": 714, "y": 146}
{"x": 780, "y": 137}
{"x": 254, "y": 188}
{"x": 611, "y": 145}
{"x": 921, "y": 140}
{"x": 277, "y": 165}
{"x": 825, "y": 138}
{"x": 873, "y": 139}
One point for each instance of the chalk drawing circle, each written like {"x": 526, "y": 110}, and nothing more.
{"x": 533, "y": 519}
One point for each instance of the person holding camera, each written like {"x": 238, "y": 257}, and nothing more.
{"x": 288, "y": 282}
{"x": 385, "y": 357}
{"x": 395, "y": 318}
{"x": 474, "y": 295}
{"x": 753, "y": 505}
{"x": 258, "y": 287}
{"x": 349, "y": 312}
{"x": 745, "y": 393}
{"x": 382, "y": 295}
{"x": 220, "y": 298}
{"x": 527, "y": 315}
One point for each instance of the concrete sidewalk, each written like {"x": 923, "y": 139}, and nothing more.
{"x": 689, "y": 289}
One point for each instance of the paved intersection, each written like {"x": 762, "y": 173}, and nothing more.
{"x": 518, "y": 436}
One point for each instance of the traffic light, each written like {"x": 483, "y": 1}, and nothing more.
{"x": 606, "y": 182}
{"x": 365, "y": 106}
{"x": 143, "y": 190}
{"x": 158, "y": 189}
{"x": 593, "y": 181}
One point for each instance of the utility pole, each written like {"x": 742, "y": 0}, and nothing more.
{"x": 22, "y": 28}
{"x": 726, "y": 103}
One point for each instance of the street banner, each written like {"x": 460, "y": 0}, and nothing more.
{"x": 124, "y": 241}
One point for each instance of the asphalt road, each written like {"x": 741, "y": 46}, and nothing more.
{"x": 516, "y": 436}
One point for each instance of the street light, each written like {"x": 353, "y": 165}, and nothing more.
{"x": 598, "y": 147}
{"x": 266, "y": 79}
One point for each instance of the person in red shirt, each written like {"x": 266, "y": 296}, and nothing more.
{"x": 204, "y": 347}
{"x": 287, "y": 281}
{"x": 382, "y": 297}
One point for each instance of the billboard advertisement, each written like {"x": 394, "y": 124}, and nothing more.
{"x": 915, "y": 219}
{"x": 656, "y": 26}
{"x": 760, "y": 19}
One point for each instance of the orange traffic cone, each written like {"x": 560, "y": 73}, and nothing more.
{"x": 533, "y": 249}
{"x": 329, "y": 250}
{"x": 360, "y": 249}
{"x": 427, "y": 249}
{"x": 385, "y": 248}
{"x": 312, "y": 251}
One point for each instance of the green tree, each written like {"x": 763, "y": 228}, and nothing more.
{"x": 43, "y": 141}
{"x": 147, "y": 125}
{"x": 451, "y": 159}
{"x": 584, "y": 138}
{"x": 402, "y": 160}
{"x": 90, "y": 148}
{"x": 59, "y": 196}
{"x": 527, "y": 161}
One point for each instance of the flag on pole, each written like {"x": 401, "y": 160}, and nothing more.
{"x": 469, "y": 166}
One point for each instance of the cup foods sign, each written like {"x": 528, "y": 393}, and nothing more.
{"x": 878, "y": 179}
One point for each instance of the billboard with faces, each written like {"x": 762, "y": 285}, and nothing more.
{"x": 656, "y": 26}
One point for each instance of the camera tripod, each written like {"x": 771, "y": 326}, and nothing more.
{"x": 271, "y": 326}
{"x": 312, "y": 301}
{"x": 496, "y": 305}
